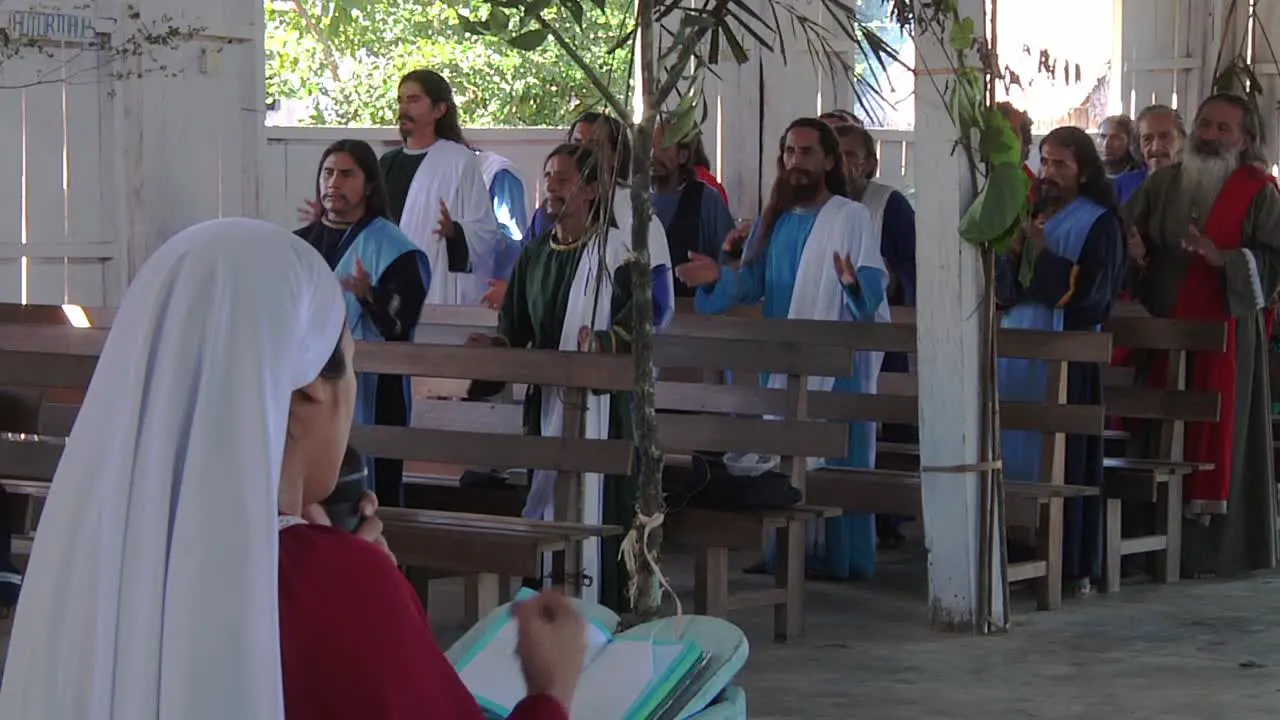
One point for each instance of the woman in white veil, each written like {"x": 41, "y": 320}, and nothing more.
{"x": 173, "y": 576}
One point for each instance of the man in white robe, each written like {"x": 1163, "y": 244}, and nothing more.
{"x": 446, "y": 209}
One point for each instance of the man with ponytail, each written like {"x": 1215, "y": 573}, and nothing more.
{"x": 808, "y": 226}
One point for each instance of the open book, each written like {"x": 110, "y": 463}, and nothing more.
{"x": 623, "y": 677}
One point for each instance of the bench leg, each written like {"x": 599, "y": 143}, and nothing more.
{"x": 788, "y": 617}
{"x": 1049, "y": 547}
{"x": 711, "y": 582}
{"x": 1113, "y": 543}
{"x": 481, "y": 596}
{"x": 1166, "y": 565}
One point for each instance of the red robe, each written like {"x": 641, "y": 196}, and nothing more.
{"x": 355, "y": 642}
{"x": 704, "y": 174}
{"x": 1201, "y": 296}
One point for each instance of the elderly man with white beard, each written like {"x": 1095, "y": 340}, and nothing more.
{"x": 1210, "y": 229}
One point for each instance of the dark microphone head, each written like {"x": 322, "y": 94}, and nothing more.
{"x": 343, "y": 504}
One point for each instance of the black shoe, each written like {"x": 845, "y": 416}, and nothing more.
{"x": 10, "y": 587}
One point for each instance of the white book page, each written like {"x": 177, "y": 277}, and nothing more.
{"x": 619, "y": 677}
{"x": 495, "y": 674}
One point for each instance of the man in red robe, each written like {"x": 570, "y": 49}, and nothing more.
{"x": 1210, "y": 227}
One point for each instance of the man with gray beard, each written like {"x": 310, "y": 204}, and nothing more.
{"x": 1210, "y": 230}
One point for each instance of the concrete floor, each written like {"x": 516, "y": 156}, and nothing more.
{"x": 1193, "y": 650}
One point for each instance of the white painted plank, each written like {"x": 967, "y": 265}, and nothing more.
{"x": 44, "y": 129}
{"x": 85, "y": 184}
{"x": 11, "y": 73}
{"x": 10, "y": 281}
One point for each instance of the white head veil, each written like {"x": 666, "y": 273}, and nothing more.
{"x": 152, "y": 590}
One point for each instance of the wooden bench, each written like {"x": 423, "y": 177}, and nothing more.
{"x": 703, "y": 423}
{"x": 1033, "y": 502}
{"x": 1152, "y": 477}
{"x": 64, "y": 358}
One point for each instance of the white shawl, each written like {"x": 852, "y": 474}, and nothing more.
{"x": 876, "y": 198}
{"x": 842, "y": 226}
{"x": 598, "y": 315}
{"x": 659, "y": 249}
{"x": 491, "y": 163}
{"x": 152, "y": 588}
{"x": 451, "y": 172}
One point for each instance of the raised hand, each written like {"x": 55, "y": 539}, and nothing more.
{"x": 359, "y": 283}
{"x": 1203, "y": 246}
{"x": 310, "y": 211}
{"x": 700, "y": 270}
{"x": 845, "y": 270}
{"x": 734, "y": 241}
{"x": 584, "y": 339}
{"x": 448, "y": 228}
{"x": 495, "y": 295}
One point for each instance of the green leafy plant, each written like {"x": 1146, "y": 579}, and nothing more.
{"x": 345, "y": 57}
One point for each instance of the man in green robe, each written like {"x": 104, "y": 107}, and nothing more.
{"x": 1210, "y": 251}
{"x": 549, "y": 305}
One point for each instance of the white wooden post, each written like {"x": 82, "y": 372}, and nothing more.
{"x": 949, "y": 342}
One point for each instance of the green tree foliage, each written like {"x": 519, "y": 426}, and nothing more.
{"x": 345, "y": 57}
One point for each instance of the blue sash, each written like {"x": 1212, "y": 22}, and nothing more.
{"x": 377, "y": 244}
{"x": 1027, "y": 380}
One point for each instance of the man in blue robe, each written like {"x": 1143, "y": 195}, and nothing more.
{"x": 1159, "y": 138}
{"x": 809, "y": 225}
{"x": 1075, "y": 251}
{"x": 385, "y": 276}
{"x": 694, "y": 216}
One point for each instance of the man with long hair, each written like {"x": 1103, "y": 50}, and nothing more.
{"x": 1210, "y": 230}
{"x": 436, "y": 193}
{"x": 1063, "y": 273}
{"x": 446, "y": 209}
{"x": 385, "y": 278}
{"x": 1116, "y": 140}
{"x": 808, "y": 226}
{"x": 693, "y": 215}
{"x": 606, "y": 138}
{"x": 571, "y": 290}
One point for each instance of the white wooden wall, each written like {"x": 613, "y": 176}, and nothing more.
{"x": 1267, "y": 20}
{"x": 98, "y": 171}
{"x": 54, "y": 147}
{"x": 1164, "y": 44}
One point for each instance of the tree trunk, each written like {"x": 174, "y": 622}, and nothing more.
{"x": 645, "y": 591}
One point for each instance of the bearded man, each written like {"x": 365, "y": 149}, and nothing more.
{"x": 1074, "y": 252}
{"x": 1210, "y": 231}
{"x": 809, "y": 225}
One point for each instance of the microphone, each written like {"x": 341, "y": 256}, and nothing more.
{"x": 343, "y": 504}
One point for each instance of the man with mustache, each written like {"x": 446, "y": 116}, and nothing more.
{"x": 1210, "y": 229}
{"x": 1063, "y": 273}
{"x": 1159, "y": 140}
{"x": 693, "y": 215}
{"x": 385, "y": 277}
{"x": 437, "y": 194}
{"x": 436, "y": 189}
{"x": 1115, "y": 137}
{"x": 808, "y": 226}
{"x": 606, "y": 138}
{"x": 572, "y": 291}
